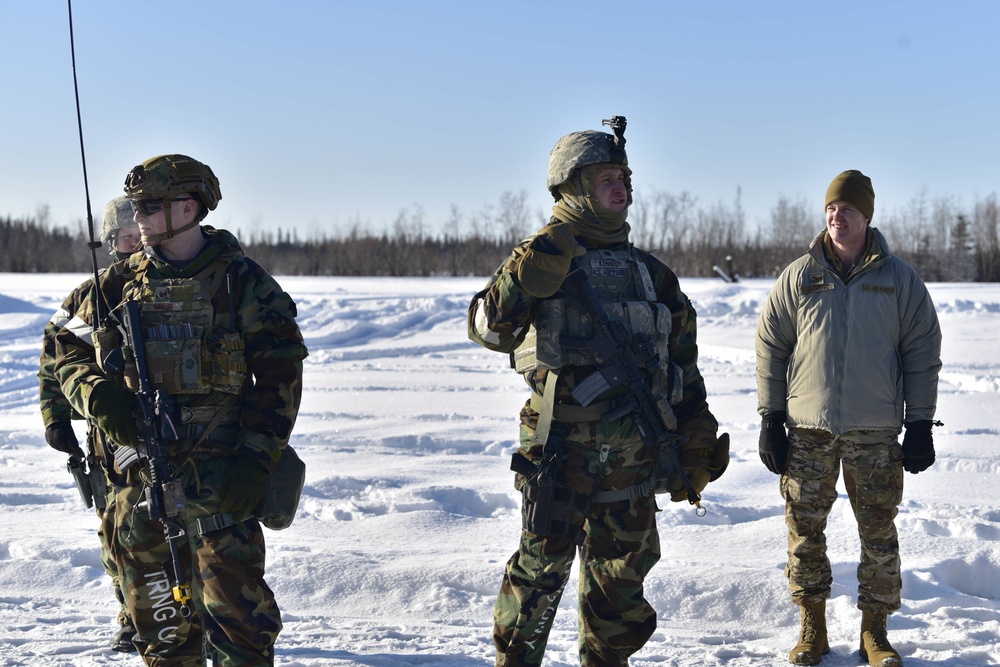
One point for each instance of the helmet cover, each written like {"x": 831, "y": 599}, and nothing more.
{"x": 169, "y": 176}
{"x": 579, "y": 149}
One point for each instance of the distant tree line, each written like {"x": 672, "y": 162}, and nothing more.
{"x": 943, "y": 240}
{"x": 32, "y": 245}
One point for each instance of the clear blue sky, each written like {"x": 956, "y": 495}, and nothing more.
{"x": 317, "y": 114}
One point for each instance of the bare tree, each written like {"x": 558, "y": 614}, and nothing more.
{"x": 513, "y": 215}
{"x": 793, "y": 223}
{"x": 986, "y": 232}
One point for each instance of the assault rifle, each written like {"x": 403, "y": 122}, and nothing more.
{"x": 620, "y": 355}
{"x": 164, "y": 495}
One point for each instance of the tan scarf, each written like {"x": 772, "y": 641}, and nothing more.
{"x": 593, "y": 230}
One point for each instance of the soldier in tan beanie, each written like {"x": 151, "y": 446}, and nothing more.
{"x": 850, "y": 204}
{"x": 862, "y": 331}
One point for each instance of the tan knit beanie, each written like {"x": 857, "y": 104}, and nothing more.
{"x": 855, "y": 188}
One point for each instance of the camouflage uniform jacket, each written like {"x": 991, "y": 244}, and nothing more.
{"x": 840, "y": 355}
{"x": 500, "y": 314}
{"x": 53, "y": 404}
{"x": 262, "y": 314}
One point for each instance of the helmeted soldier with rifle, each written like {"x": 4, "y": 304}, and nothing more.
{"x": 121, "y": 236}
{"x": 195, "y": 373}
{"x": 606, "y": 340}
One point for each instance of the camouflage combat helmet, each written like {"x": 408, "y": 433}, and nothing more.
{"x": 117, "y": 215}
{"x": 168, "y": 177}
{"x": 579, "y": 149}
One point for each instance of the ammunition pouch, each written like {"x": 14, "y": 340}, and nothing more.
{"x": 107, "y": 341}
{"x": 547, "y": 505}
{"x": 280, "y": 501}
{"x": 188, "y": 350}
{"x": 277, "y": 506}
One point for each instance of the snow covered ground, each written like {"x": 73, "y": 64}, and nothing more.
{"x": 409, "y": 512}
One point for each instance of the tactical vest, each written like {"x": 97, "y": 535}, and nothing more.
{"x": 626, "y": 291}
{"x": 190, "y": 348}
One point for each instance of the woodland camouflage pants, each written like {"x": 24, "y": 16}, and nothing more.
{"x": 873, "y": 476}
{"x": 234, "y": 611}
{"x": 620, "y": 547}
{"x": 110, "y": 566}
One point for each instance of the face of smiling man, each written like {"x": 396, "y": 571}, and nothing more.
{"x": 847, "y": 228}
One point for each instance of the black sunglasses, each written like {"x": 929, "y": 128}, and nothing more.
{"x": 151, "y": 206}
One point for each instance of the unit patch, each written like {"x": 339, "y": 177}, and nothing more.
{"x": 816, "y": 282}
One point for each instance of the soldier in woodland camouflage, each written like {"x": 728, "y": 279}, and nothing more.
{"x": 120, "y": 234}
{"x": 586, "y": 469}
{"x": 221, "y": 341}
{"x": 848, "y": 353}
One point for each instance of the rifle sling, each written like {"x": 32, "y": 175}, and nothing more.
{"x": 544, "y": 425}
{"x": 633, "y": 492}
{"x": 210, "y": 524}
{"x": 571, "y": 413}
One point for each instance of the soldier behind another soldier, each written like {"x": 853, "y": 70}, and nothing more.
{"x": 604, "y": 476}
{"x": 235, "y": 399}
{"x": 120, "y": 234}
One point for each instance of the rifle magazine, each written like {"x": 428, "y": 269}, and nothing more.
{"x": 592, "y": 386}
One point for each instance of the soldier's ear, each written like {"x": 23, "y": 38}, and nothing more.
{"x": 191, "y": 206}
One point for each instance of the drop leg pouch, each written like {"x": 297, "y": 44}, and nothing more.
{"x": 277, "y": 507}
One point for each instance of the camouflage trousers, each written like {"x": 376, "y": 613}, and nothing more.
{"x": 620, "y": 547}
{"x": 235, "y": 618}
{"x": 110, "y": 566}
{"x": 872, "y": 461}
{"x": 95, "y": 461}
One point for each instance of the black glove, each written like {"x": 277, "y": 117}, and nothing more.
{"x": 773, "y": 444}
{"x": 246, "y": 488}
{"x": 61, "y": 438}
{"x": 918, "y": 446}
{"x": 542, "y": 268}
{"x": 113, "y": 408}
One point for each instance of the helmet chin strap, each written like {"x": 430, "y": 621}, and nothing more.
{"x": 170, "y": 233}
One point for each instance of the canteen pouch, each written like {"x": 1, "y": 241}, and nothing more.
{"x": 277, "y": 507}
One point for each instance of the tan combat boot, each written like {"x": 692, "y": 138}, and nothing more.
{"x": 875, "y": 647}
{"x": 813, "y": 644}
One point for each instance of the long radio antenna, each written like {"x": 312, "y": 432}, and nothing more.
{"x": 94, "y": 244}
